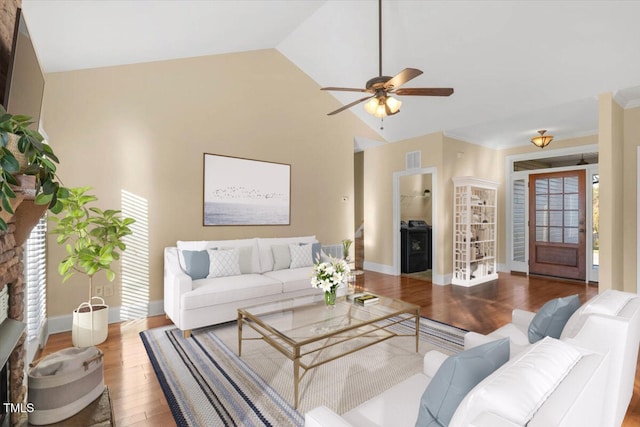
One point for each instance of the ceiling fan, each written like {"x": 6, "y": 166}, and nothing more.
{"x": 381, "y": 103}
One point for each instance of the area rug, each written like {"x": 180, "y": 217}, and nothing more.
{"x": 206, "y": 383}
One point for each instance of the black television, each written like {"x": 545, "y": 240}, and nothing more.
{"x": 25, "y": 81}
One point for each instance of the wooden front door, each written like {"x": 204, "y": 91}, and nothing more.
{"x": 557, "y": 245}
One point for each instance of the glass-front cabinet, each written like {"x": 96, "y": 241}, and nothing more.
{"x": 474, "y": 231}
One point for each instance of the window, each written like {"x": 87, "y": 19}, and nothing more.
{"x": 35, "y": 276}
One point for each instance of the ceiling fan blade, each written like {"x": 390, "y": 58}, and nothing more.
{"x": 401, "y": 78}
{"x": 417, "y": 91}
{"x": 344, "y": 89}
{"x": 345, "y": 107}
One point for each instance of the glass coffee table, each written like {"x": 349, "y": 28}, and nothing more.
{"x": 311, "y": 334}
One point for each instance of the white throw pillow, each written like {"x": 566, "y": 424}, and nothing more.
{"x": 301, "y": 255}
{"x": 224, "y": 262}
{"x": 281, "y": 257}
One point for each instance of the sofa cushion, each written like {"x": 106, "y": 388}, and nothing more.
{"x": 281, "y": 257}
{"x": 552, "y": 317}
{"x": 196, "y": 264}
{"x": 455, "y": 378}
{"x": 292, "y": 279}
{"x": 223, "y": 262}
{"x": 301, "y": 255}
{"x": 201, "y": 245}
{"x": 265, "y": 253}
{"x": 522, "y": 385}
{"x": 222, "y": 290}
{"x": 245, "y": 259}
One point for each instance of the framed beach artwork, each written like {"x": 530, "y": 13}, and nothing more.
{"x": 245, "y": 192}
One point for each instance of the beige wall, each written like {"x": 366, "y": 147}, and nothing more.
{"x": 380, "y": 163}
{"x": 413, "y": 203}
{"x": 450, "y": 157}
{"x": 144, "y": 128}
{"x": 611, "y": 140}
{"x": 631, "y": 131}
{"x": 358, "y": 188}
{"x": 464, "y": 159}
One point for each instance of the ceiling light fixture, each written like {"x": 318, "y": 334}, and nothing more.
{"x": 582, "y": 161}
{"x": 383, "y": 106}
{"x": 542, "y": 140}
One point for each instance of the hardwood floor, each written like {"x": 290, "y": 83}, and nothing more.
{"x": 138, "y": 399}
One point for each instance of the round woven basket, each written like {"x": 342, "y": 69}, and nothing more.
{"x": 12, "y": 146}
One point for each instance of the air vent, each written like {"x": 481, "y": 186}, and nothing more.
{"x": 413, "y": 160}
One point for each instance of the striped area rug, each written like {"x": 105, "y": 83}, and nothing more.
{"x": 207, "y": 384}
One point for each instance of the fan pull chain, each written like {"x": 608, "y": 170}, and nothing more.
{"x": 381, "y": 123}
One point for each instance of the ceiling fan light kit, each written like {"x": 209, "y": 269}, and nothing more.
{"x": 380, "y": 103}
{"x": 542, "y": 140}
{"x": 383, "y": 106}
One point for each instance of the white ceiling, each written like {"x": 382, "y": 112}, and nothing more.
{"x": 516, "y": 66}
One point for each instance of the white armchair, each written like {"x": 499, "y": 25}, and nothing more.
{"x": 516, "y": 331}
{"x": 607, "y": 323}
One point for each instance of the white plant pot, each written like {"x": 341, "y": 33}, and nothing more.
{"x": 90, "y": 323}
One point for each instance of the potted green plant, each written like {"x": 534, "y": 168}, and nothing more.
{"x": 23, "y": 151}
{"x": 94, "y": 240}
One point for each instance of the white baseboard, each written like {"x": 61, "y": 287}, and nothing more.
{"x": 63, "y": 323}
{"x": 378, "y": 268}
{"x": 442, "y": 279}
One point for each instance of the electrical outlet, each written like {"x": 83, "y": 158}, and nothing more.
{"x": 98, "y": 290}
{"x": 108, "y": 290}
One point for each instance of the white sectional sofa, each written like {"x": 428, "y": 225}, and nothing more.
{"x": 583, "y": 379}
{"x": 263, "y": 274}
{"x": 592, "y": 325}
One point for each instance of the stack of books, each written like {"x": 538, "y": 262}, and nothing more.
{"x": 365, "y": 299}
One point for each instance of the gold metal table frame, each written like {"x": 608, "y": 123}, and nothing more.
{"x": 304, "y": 329}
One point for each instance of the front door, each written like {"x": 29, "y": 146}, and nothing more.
{"x": 557, "y": 245}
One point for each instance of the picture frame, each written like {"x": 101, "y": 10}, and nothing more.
{"x": 239, "y": 191}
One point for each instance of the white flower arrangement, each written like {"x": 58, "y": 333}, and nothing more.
{"x": 330, "y": 274}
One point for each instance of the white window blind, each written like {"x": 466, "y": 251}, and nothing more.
{"x": 35, "y": 275}
{"x": 519, "y": 217}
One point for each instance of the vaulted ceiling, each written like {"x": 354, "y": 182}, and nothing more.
{"x": 516, "y": 66}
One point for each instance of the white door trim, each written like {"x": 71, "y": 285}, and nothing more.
{"x": 395, "y": 225}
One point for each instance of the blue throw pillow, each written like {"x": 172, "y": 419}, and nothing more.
{"x": 196, "y": 264}
{"x": 551, "y": 318}
{"x": 455, "y": 378}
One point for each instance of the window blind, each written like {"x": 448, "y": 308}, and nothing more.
{"x": 35, "y": 274}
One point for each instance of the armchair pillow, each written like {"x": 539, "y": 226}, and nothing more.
{"x": 457, "y": 375}
{"x": 551, "y": 318}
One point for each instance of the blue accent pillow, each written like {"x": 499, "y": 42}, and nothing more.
{"x": 196, "y": 264}
{"x": 549, "y": 321}
{"x": 457, "y": 375}
{"x": 315, "y": 252}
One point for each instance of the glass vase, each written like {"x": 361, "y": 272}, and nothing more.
{"x": 330, "y": 297}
